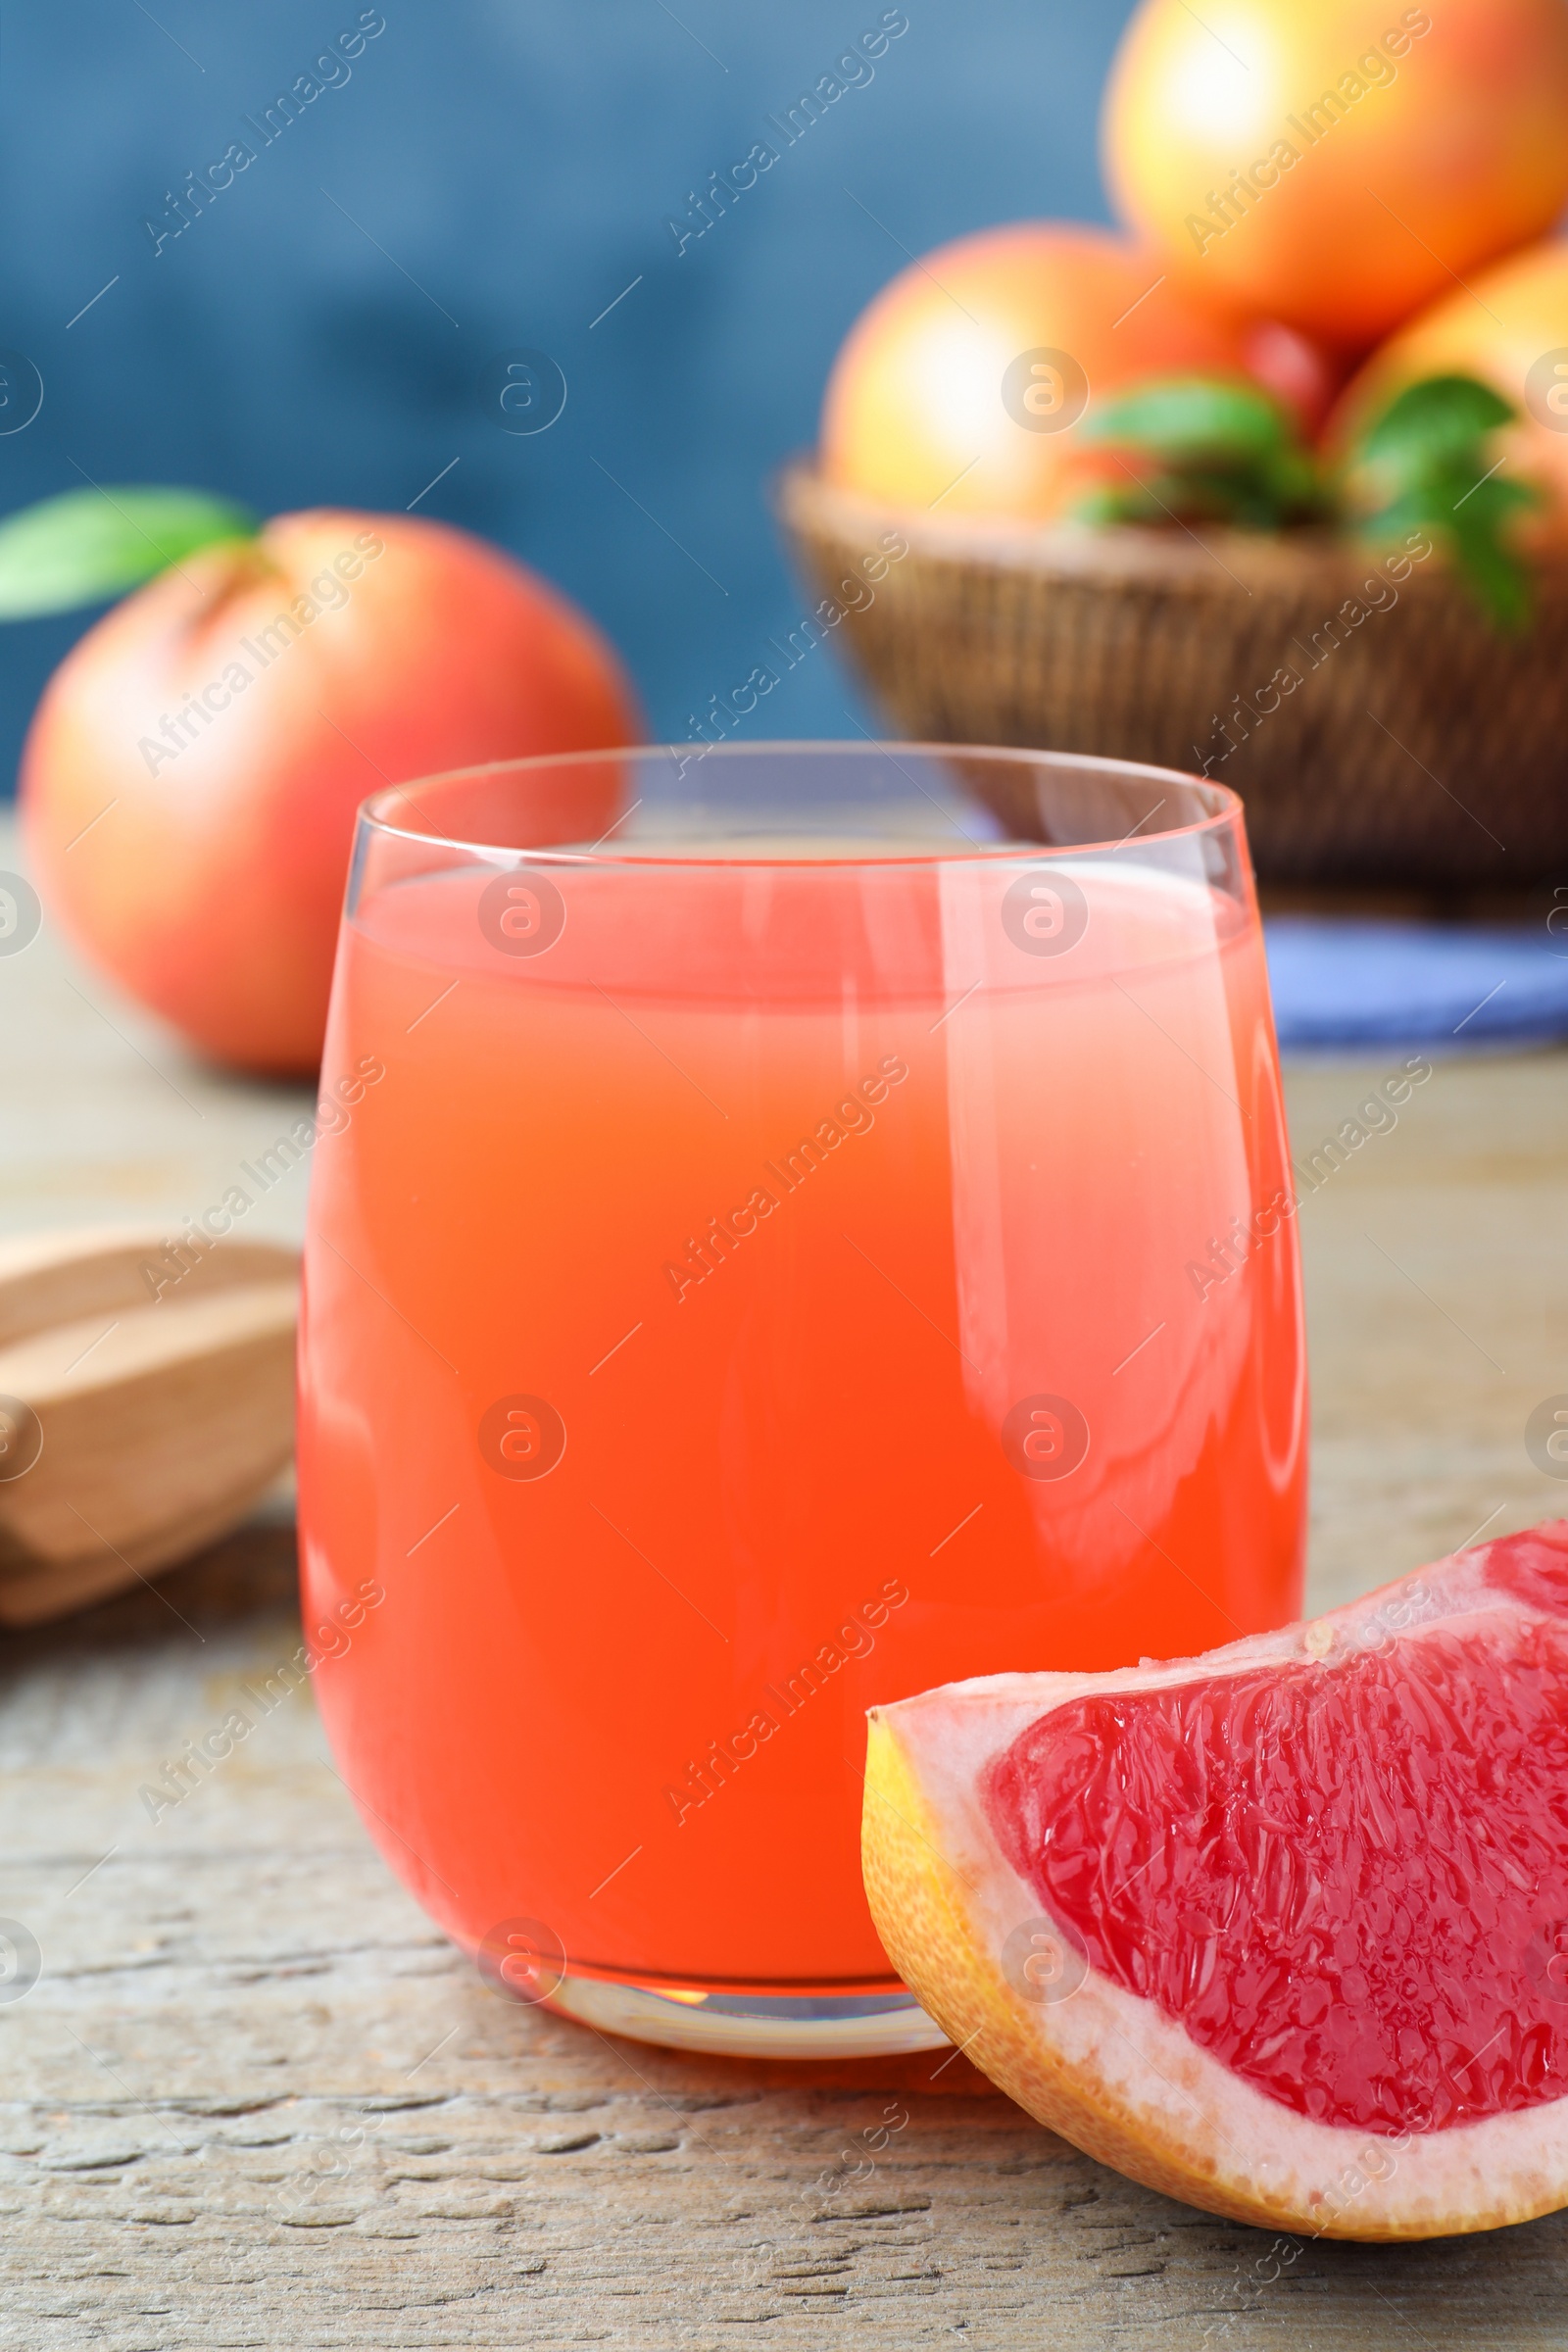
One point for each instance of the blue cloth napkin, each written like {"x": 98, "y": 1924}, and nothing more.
{"x": 1344, "y": 982}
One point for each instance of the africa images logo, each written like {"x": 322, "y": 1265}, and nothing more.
{"x": 522, "y": 1437}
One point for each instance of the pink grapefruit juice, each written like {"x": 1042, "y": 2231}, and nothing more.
{"x": 784, "y": 1291}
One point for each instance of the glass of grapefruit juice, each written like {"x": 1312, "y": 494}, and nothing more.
{"x": 804, "y": 1223}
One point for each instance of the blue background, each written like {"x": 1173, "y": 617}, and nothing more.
{"x": 518, "y": 162}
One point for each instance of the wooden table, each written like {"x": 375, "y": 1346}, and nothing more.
{"x": 255, "y": 2099}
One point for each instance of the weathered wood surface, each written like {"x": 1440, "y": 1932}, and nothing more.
{"x": 254, "y": 2099}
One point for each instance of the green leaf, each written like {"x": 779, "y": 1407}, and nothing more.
{"x": 87, "y": 546}
{"x": 1153, "y": 499}
{"x": 1424, "y": 464}
{"x": 1184, "y": 418}
{"x": 1501, "y": 583}
{"x": 1444, "y": 416}
{"x": 1214, "y": 449}
{"x": 1194, "y": 495}
{"x": 1117, "y": 502}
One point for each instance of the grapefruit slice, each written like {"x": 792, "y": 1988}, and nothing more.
{"x": 1282, "y": 1930}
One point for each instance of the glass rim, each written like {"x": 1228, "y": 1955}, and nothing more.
{"x": 1229, "y": 807}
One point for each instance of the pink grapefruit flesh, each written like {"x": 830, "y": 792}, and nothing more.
{"x": 1283, "y": 1930}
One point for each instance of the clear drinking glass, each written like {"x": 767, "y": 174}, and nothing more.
{"x": 797, "y": 1224}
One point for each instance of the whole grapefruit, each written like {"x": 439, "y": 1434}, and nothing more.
{"x": 1336, "y": 165}
{"x": 1510, "y": 327}
{"x": 190, "y": 782}
{"x": 1282, "y": 1930}
{"x": 961, "y": 386}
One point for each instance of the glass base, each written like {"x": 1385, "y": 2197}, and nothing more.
{"x": 745, "y": 2026}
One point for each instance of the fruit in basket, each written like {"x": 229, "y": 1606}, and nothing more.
{"x": 1510, "y": 328}
{"x": 961, "y": 385}
{"x": 1332, "y": 166}
{"x": 1282, "y": 1930}
{"x": 191, "y": 775}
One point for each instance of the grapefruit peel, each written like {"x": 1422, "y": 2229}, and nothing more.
{"x": 1112, "y": 2071}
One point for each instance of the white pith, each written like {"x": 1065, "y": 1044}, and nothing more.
{"x": 1139, "y": 2067}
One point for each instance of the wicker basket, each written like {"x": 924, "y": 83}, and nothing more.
{"x": 1415, "y": 747}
